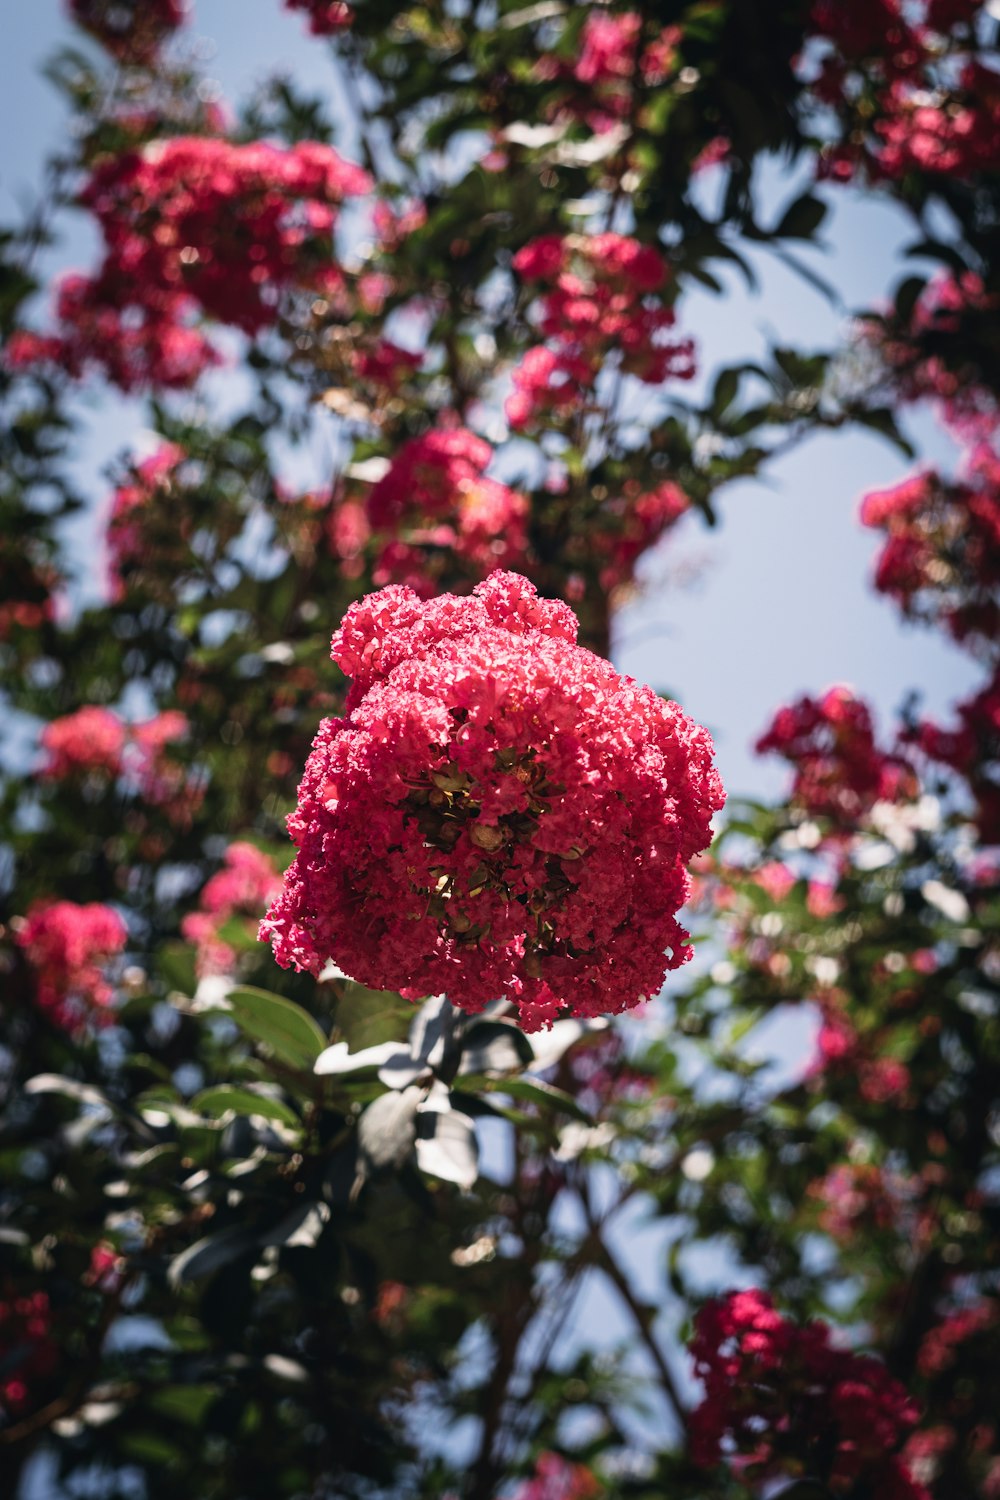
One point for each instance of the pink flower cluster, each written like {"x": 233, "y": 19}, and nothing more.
{"x": 134, "y": 343}
{"x": 924, "y": 109}
{"x": 612, "y": 55}
{"x": 194, "y": 224}
{"x": 68, "y": 946}
{"x": 941, "y": 560}
{"x": 90, "y": 740}
{"x": 131, "y": 30}
{"x": 861, "y": 1059}
{"x": 840, "y": 772}
{"x": 788, "y": 1402}
{"x": 499, "y": 812}
{"x": 873, "y": 29}
{"x": 556, "y": 1478}
{"x": 435, "y": 504}
{"x": 605, "y": 294}
{"x": 960, "y": 140}
{"x": 95, "y": 741}
{"x": 246, "y": 882}
{"x": 972, "y": 749}
{"x": 631, "y": 524}
{"x": 939, "y": 1348}
{"x": 326, "y": 17}
{"x": 862, "y": 1198}
{"x": 385, "y": 365}
{"x": 153, "y": 478}
{"x": 947, "y": 311}
{"x": 28, "y": 1352}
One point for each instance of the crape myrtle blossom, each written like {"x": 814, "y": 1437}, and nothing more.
{"x": 954, "y": 137}
{"x": 28, "y": 1352}
{"x": 131, "y": 30}
{"x": 153, "y": 478}
{"x": 781, "y": 1399}
{"x": 68, "y": 947}
{"x": 96, "y": 741}
{"x": 326, "y": 17}
{"x": 435, "y": 504}
{"x": 194, "y": 225}
{"x": 840, "y": 772}
{"x": 135, "y": 345}
{"x": 558, "y": 1478}
{"x": 613, "y": 53}
{"x": 599, "y": 295}
{"x": 225, "y": 223}
{"x": 971, "y": 748}
{"x": 90, "y": 740}
{"x": 245, "y": 883}
{"x": 941, "y": 559}
{"x": 930, "y": 352}
{"x": 498, "y": 813}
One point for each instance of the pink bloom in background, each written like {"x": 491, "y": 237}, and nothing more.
{"x": 557, "y": 1478}
{"x": 784, "y": 1399}
{"x": 154, "y": 478}
{"x": 385, "y": 364}
{"x": 855, "y": 1199}
{"x": 194, "y": 225}
{"x": 106, "y": 1270}
{"x": 326, "y": 17}
{"x": 612, "y": 52}
{"x": 224, "y": 223}
{"x": 971, "y": 748}
{"x": 948, "y": 306}
{"x": 159, "y": 779}
{"x": 775, "y": 879}
{"x": 69, "y": 946}
{"x": 131, "y": 30}
{"x": 941, "y": 559}
{"x": 940, "y": 1347}
{"x": 630, "y": 524}
{"x": 28, "y": 1353}
{"x": 137, "y": 345}
{"x": 822, "y": 900}
{"x": 90, "y": 740}
{"x": 435, "y": 498}
{"x": 97, "y": 740}
{"x": 959, "y": 140}
{"x": 498, "y": 813}
{"x": 246, "y": 882}
{"x": 606, "y": 294}
{"x": 840, "y": 772}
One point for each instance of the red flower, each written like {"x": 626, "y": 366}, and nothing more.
{"x": 436, "y": 498}
{"x": 782, "y": 1396}
{"x": 840, "y": 772}
{"x": 326, "y": 17}
{"x": 499, "y": 813}
{"x": 132, "y": 30}
{"x": 606, "y": 297}
{"x": 195, "y": 224}
{"x": 245, "y": 883}
{"x": 92, "y": 739}
{"x": 68, "y": 946}
{"x": 28, "y": 1353}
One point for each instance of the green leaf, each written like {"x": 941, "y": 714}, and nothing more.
{"x": 290, "y": 1032}
{"x": 802, "y": 218}
{"x": 210, "y": 1254}
{"x": 216, "y": 1101}
{"x": 534, "y": 1091}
